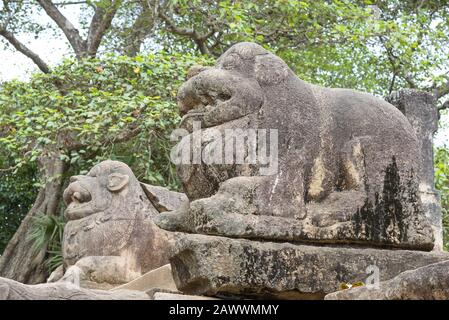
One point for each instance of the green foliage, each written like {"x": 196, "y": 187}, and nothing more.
{"x": 87, "y": 109}
{"x": 442, "y": 184}
{"x": 17, "y": 194}
{"x": 46, "y": 233}
{"x": 376, "y": 46}
{"x": 373, "y": 45}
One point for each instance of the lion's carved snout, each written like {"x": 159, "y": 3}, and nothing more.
{"x": 215, "y": 96}
{"x": 77, "y": 197}
{"x": 76, "y": 192}
{"x": 204, "y": 88}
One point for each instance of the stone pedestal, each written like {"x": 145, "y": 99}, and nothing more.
{"x": 210, "y": 265}
{"x": 421, "y": 111}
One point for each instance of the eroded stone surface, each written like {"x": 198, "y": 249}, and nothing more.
{"x": 345, "y": 170}
{"x": 56, "y": 275}
{"x": 421, "y": 110}
{"x": 209, "y": 265}
{"x": 101, "y": 272}
{"x": 430, "y": 282}
{"x": 164, "y": 199}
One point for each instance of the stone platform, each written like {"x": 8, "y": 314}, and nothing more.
{"x": 218, "y": 266}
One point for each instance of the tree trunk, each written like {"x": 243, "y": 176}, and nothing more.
{"x": 19, "y": 261}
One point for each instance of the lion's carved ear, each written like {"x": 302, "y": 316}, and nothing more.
{"x": 269, "y": 69}
{"x": 117, "y": 181}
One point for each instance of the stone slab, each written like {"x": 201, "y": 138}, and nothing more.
{"x": 210, "y": 265}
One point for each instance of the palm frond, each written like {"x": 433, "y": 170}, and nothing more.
{"x": 46, "y": 233}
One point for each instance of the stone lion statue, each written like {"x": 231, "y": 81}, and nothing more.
{"x": 110, "y": 232}
{"x": 345, "y": 161}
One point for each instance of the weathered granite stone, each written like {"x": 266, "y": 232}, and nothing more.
{"x": 421, "y": 110}
{"x": 160, "y": 278}
{"x": 210, "y": 265}
{"x": 110, "y": 215}
{"x": 13, "y": 290}
{"x": 163, "y": 199}
{"x": 430, "y": 282}
{"x": 100, "y": 272}
{"x": 56, "y": 275}
{"x": 342, "y": 165}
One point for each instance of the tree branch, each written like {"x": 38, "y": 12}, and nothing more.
{"x": 99, "y": 25}
{"x": 444, "y": 106}
{"x": 392, "y": 83}
{"x": 72, "y": 34}
{"x": 62, "y": 4}
{"x": 127, "y": 134}
{"x": 175, "y": 29}
{"x": 199, "y": 39}
{"x": 25, "y": 50}
{"x": 141, "y": 28}
{"x": 441, "y": 91}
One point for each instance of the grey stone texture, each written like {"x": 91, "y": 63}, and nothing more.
{"x": 225, "y": 267}
{"x": 420, "y": 108}
{"x": 100, "y": 272}
{"x": 163, "y": 199}
{"x": 157, "y": 279}
{"x": 430, "y": 282}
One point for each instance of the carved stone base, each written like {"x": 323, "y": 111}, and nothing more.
{"x": 210, "y": 265}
